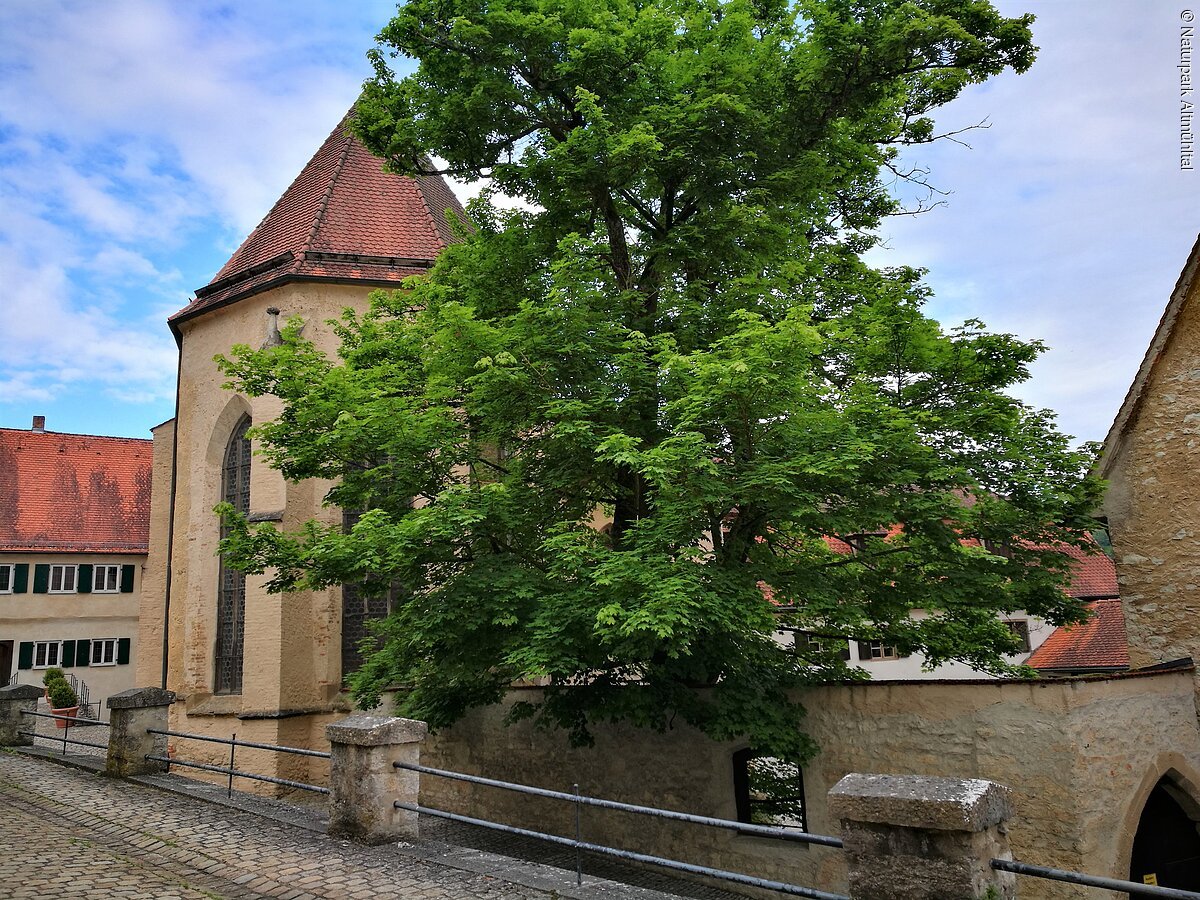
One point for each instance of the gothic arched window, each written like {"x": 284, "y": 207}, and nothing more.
{"x": 231, "y": 584}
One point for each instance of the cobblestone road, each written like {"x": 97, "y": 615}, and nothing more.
{"x": 71, "y": 834}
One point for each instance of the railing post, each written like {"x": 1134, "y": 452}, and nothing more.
{"x": 130, "y": 713}
{"x": 363, "y": 783}
{"x": 911, "y": 837}
{"x": 14, "y": 700}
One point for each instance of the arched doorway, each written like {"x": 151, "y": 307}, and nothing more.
{"x": 1167, "y": 843}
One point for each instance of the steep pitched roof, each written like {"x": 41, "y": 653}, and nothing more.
{"x": 343, "y": 219}
{"x": 74, "y": 492}
{"x": 1096, "y": 645}
{"x": 1132, "y": 403}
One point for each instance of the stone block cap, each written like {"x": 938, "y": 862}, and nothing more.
{"x": 363, "y": 730}
{"x": 920, "y": 801}
{"x": 20, "y": 692}
{"x": 138, "y": 698}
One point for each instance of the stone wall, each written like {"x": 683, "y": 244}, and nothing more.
{"x": 1153, "y": 501}
{"x": 1079, "y": 755}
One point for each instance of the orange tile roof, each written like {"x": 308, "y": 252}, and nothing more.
{"x": 344, "y": 218}
{"x": 74, "y": 492}
{"x": 1097, "y": 644}
{"x": 1093, "y": 575}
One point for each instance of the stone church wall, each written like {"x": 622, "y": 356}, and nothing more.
{"x": 1153, "y": 501}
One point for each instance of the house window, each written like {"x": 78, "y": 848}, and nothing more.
{"x": 62, "y": 579}
{"x": 106, "y": 579}
{"x": 821, "y": 644}
{"x": 6, "y": 579}
{"x": 46, "y": 654}
{"x": 769, "y": 791}
{"x": 877, "y": 650}
{"x": 231, "y": 584}
{"x": 104, "y": 652}
{"x": 995, "y": 547}
{"x": 1020, "y": 628}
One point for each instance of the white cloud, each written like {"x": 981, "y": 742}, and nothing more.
{"x": 54, "y": 343}
{"x": 1069, "y": 219}
{"x": 132, "y": 132}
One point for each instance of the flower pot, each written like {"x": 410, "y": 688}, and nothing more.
{"x": 65, "y": 711}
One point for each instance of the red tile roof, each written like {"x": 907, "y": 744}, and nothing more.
{"x": 1097, "y": 644}
{"x": 74, "y": 492}
{"x": 1093, "y": 575}
{"x": 344, "y": 218}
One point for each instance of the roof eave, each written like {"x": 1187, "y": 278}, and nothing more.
{"x": 186, "y": 314}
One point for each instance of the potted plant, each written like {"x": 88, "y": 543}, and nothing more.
{"x": 63, "y": 700}
{"x": 52, "y": 674}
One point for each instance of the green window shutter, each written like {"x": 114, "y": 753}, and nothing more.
{"x": 864, "y": 649}
{"x": 41, "y": 578}
{"x": 126, "y": 579}
{"x": 20, "y": 578}
{"x": 25, "y": 655}
{"x": 123, "y": 650}
{"x": 83, "y": 652}
{"x": 83, "y": 579}
{"x": 68, "y": 654}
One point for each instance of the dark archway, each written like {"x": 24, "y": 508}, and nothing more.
{"x": 1167, "y": 843}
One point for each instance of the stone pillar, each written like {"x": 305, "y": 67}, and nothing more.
{"x": 15, "y": 699}
{"x": 363, "y": 783}
{"x": 912, "y": 837}
{"x": 130, "y": 713}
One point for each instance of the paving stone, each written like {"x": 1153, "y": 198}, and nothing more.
{"x": 69, "y": 832}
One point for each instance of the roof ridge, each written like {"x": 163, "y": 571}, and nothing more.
{"x": 338, "y": 168}
{"x": 79, "y": 434}
{"x": 429, "y": 221}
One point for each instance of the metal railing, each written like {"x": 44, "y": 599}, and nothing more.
{"x": 82, "y": 692}
{"x": 1097, "y": 881}
{"x": 66, "y": 729}
{"x": 231, "y": 771}
{"x": 580, "y": 846}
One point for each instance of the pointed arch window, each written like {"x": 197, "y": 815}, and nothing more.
{"x": 231, "y": 584}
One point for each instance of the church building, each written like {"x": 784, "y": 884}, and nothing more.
{"x": 269, "y": 667}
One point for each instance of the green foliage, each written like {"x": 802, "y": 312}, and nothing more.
{"x": 678, "y": 341}
{"x": 53, "y": 674}
{"x": 62, "y": 695}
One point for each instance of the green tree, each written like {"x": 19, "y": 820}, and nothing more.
{"x": 603, "y": 443}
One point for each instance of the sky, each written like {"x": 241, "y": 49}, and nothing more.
{"x": 140, "y": 142}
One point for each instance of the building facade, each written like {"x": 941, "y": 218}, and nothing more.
{"x": 74, "y": 525}
{"x": 269, "y": 666}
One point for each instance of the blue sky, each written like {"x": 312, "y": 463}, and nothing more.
{"x": 141, "y": 141}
